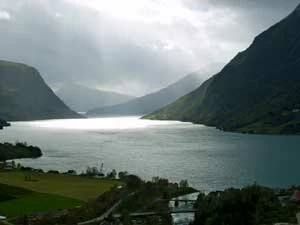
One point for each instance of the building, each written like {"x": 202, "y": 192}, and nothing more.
{"x": 2, "y": 218}
{"x": 296, "y": 196}
{"x": 284, "y": 200}
{"x": 9, "y": 165}
{"x": 298, "y": 218}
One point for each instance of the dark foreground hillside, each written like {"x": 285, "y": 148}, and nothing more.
{"x": 247, "y": 206}
{"x": 257, "y": 92}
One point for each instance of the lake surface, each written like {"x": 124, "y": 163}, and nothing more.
{"x": 208, "y": 158}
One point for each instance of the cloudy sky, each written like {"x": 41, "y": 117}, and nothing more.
{"x": 132, "y": 46}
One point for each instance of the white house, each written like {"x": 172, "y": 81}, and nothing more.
{"x": 2, "y": 218}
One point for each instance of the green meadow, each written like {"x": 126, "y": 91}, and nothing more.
{"x": 24, "y": 193}
{"x": 37, "y": 202}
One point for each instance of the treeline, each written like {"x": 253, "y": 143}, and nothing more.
{"x": 247, "y": 206}
{"x": 17, "y": 151}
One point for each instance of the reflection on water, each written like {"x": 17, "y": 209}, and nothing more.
{"x": 113, "y": 123}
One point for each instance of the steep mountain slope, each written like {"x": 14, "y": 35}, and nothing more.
{"x": 153, "y": 101}
{"x": 25, "y": 96}
{"x": 257, "y": 92}
{"x": 82, "y": 99}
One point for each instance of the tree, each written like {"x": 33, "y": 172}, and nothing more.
{"x": 184, "y": 184}
{"x": 133, "y": 182}
{"x": 112, "y": 174}
{"x": 122, "y": 174}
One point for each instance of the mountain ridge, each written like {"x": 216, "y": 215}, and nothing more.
{"x": 258, "y": 91}
{"x": 24, "y": 95}
{"x": 83, "y": 99}
{"x": 152, "y": 101}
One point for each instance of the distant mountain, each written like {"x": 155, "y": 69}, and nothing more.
{"x": 25, "y": 96}
{"x": 257, "y": 92}
{"x": 82, "y": 99}
{"x": 153, "y": 101}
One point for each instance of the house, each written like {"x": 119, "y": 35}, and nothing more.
{"x": 2, "y": 218}
{"x": 284, "y": 199}
{"x": 9, "y": 165}
{"x": 298, "y": 218}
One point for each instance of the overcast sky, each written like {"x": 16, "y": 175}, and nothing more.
{"x": 132, "y": 46}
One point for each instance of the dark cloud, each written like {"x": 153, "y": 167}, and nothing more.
{"x": 253, "y": 14}
{"x": 131, "y": 48}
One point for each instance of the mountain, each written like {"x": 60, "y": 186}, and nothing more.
{"x": 153, "y": 101}
{"x": 257, "y": 92}
{"x": 25, "y": 96}
{"x": 82, "y": 99}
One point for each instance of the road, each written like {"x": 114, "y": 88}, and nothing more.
{"x": 107, "y": 213}
{"x": 103, "y": 216}
{"x": 144, "y": 214}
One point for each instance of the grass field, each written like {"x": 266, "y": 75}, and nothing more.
{"x": 37, "y": 202}
{"x": 15, "y": 201}
{"x": 46, "y": 192}
{"x": 75, "y": 187}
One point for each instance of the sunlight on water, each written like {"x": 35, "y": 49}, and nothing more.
{"x": 208, "y": 158}
{"x": 117, "y": 123}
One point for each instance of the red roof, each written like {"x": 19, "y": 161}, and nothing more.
{"x": 297, "y": 196}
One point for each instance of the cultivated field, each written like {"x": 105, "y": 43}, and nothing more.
{"x": 76, "y": 187}
{"x": 16, "y": 201}
{"x": 30, "y": 192}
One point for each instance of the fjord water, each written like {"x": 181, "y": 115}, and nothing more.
{"x": 208, "y": 158}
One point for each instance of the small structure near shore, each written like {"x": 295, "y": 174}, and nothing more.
{"x": 296, "y": 196}
{"x": 2, "y": 218}
{"x": 289, "y": 197}
{"x": 7, "y": 165}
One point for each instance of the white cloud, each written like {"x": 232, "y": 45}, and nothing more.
{"x": 133, "y": 46}
{"x": 4, "y": 15}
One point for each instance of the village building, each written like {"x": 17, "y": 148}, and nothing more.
{"x": 296, "y": 197}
